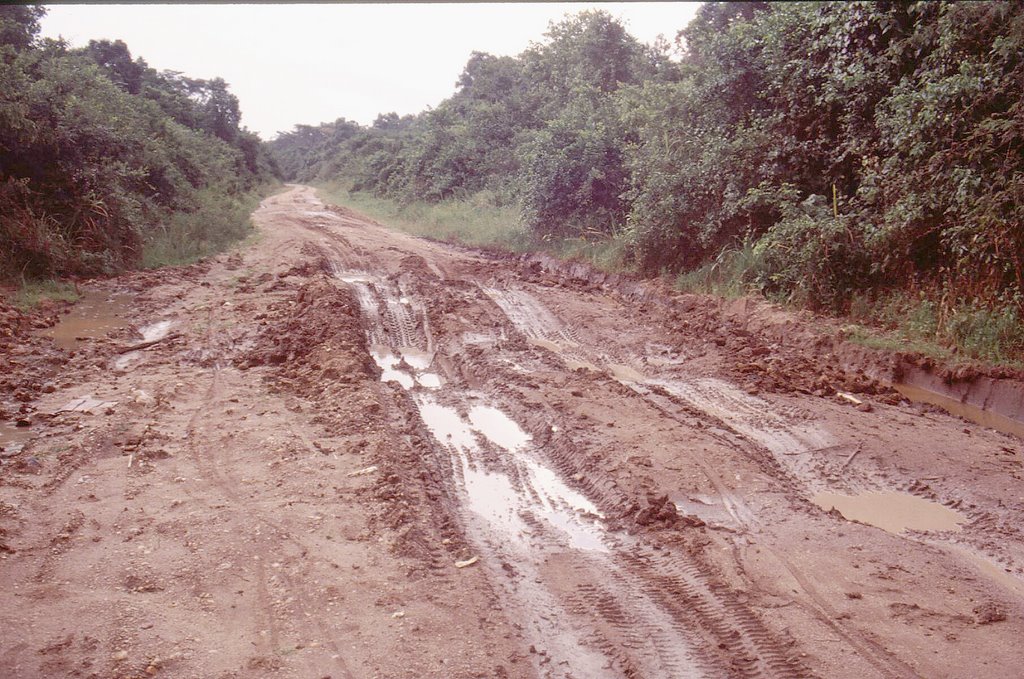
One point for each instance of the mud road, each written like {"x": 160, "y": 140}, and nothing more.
{"x": 345, "y": 452}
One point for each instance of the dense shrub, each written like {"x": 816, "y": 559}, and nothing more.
{"x": 99, "y": 151}
{"x": 846, "y": 148}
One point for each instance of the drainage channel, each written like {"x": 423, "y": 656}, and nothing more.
{"x": 523, "y": 518}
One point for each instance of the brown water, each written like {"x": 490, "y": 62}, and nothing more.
{"x": 13, "y": 438}
{"x": 95, "y": 315}
{"x": 985, "y": 418}
{"x": 891, "y": 511}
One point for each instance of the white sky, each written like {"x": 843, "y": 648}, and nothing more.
{"x": 290, "y": 64}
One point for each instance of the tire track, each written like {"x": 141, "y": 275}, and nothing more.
{"x": 259, "y": 545}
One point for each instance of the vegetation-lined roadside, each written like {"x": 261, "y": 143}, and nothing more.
{"x": 107, "y": 164}
{"x": 857, "y": 159}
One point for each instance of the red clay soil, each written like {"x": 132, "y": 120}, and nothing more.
{"x": 355, "y": 453}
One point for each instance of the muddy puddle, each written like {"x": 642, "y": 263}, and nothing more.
{"x": 891, "y": 511}
{"x": 95, "y": 315}
{"x": 13, "y": 438}
{"x": 513, "y": 496}
{"x": 150, "y": 333}
{"x": 406, "y": 367}
{"x": 985, "y": 418}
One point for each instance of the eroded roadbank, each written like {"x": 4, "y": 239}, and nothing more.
{"x": 348, "y": 452}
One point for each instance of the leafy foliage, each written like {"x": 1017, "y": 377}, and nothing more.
{"x": 98, "y": 150}
{"x": 846, "y": 149}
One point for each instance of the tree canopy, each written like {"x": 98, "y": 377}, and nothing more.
{"x": 906, "y": 116}
{"x": 98, "y": 150}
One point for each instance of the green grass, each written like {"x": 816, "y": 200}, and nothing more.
{"x": 729, "y": 275}
{"x": 222, "y": 221}
{"x": 33, "y": 293}
{"x": 475, "y": 222}
{"x": 942, "y": 326}
{"x": 608, "y": 254}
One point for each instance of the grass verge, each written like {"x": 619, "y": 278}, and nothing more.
{"x": 475, "y": 222}
{"x": 730, "y": 275}
{"x": 934, "y": 322}
{"x": 33, "y": 293}
{"x": 220, "y": 221}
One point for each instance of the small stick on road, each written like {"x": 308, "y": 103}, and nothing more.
{"x": 850, "y": 458}
{"x": 145, "y": 345}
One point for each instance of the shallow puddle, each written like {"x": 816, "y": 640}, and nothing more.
{"x": 94, "y": 315}
{"x": 891, "y": 511}
{"x": 406, "y": 367}
{"x": 388, "y": 364}
{"x": 624, "y": 373}
{"x": 546, "y": 344}
{"x": 708, "y": 509}
{"x": 155, "y": 331}
{"x": 493, "y": 496}
{"x": 985, "y": 418}
{"x": 498, "y": 427}
{"x": 417, "y": 360}
{"x": 150, "y": 333}
{"x": 13, "y": 438}
{"x": 429, "y": 380}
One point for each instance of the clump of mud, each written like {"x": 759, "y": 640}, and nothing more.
{"x": 656, "y": 512}
{"x": 31, "y": 364}
{"x": 315, "y": 337}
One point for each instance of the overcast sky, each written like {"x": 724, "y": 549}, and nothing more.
{"x": 292, "y": 64}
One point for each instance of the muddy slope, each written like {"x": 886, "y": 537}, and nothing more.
{"x": 354, "y": 453}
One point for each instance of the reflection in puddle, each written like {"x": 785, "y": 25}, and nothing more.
{"x": 388, "y": 364}
{"x": 354, "y": 277}
{"x": 498, "y": 427}
{"x": 94, "y": 315}
{"x": 155, "y": 331}
{"x": 985, "y": 418}
{"x": 150, "y": 333}
{"x": 394, "y": 367}
{"x": 417, "y": 360}
{"x": 890, "y": 511}
{"x": 429, "y": 380}
{"x": 708, "y": 509}
{"x": 493, "y": 496}
{"x": 546, "y": 344}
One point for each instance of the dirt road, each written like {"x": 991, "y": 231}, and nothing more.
{"x": 347, "y": 452}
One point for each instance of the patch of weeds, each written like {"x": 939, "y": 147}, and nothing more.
{"x": 476, "y": 221}
{"x": 730, "y": 275}
{"x": 219, "y": 222}
{"x": 604, "y": 253}
{"x": 33, "y": 293}
{"x": 938, "y": 324}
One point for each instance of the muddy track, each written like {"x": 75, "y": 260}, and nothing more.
{"x": 366, "y": 454}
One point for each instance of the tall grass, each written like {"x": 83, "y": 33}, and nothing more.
{"x": 476, "y": 221}
{"x": 220, "y": 221}
{"x": 32, "y": 293}
{"x": 604, "y": 253}
{"x": 939, "y": 323}
{"x": 731, "y": 274}
{"x": 936, "y": 321}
